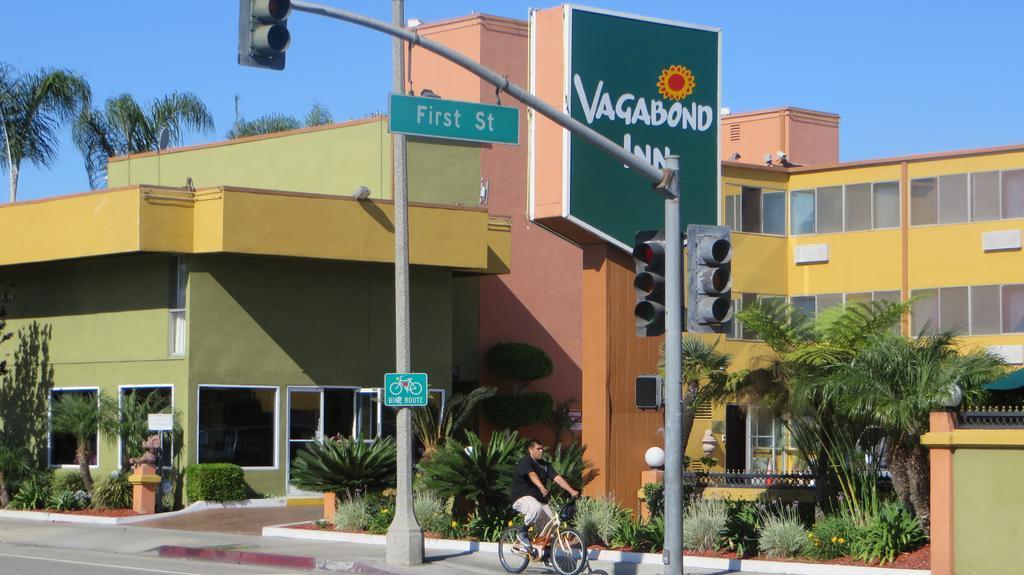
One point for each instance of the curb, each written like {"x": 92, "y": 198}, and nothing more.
{"x": 270, "y": 560}
{"x": 101, "y": 520}
{"x": 620, "y": 557}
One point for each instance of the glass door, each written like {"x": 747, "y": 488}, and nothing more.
{"x": 305, "y": 423}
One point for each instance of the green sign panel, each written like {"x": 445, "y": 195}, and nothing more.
{"x": 405, "y": 389}
{"x": 453, "y": 120}
{"x": 655, "y": 91}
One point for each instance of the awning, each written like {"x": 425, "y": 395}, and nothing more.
{"x": 1013, "y": 380}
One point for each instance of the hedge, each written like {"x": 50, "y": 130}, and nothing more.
{"x": 519, "y": 409}
{"x": 214, "y": 482}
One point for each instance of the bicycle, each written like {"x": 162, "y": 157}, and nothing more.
{"x": 568, "y": 552}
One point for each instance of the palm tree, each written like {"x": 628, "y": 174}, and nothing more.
{"x": 702, "y": 365}
{"x": 894, "y": 383}
{"x": 560, "y": 420}
{"x": 124, "y": 127}
{"x": 271, "y": 123}
{"x": 83, "y": 416}
{"x": 33, "y": 107}
{"x": 15, "y": 460}
{"x": 433, "y": 426}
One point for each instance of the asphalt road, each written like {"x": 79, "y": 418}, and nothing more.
{"x": 28, "y": 560}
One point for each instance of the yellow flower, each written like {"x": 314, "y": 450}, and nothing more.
{"x": 810, "y": 535}
{"x": 510, "y": 523}
{"x": 455, "y": 523}
{"x": 383, "y": 509}
{"x": 834, "y": 539}
{"x": 841, "y": 540}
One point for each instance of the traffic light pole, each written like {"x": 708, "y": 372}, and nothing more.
{"x": 401, "y": 547}
{"x": 404, "y": 537}
{"x": 673, "y": 550}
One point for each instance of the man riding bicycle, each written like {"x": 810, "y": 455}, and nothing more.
{"x": 529, "y": 490}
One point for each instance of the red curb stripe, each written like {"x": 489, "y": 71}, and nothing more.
{"x": 247, "y": 557}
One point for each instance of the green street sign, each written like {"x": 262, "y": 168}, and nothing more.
{"x": 453, "y": 120}
{"x": 405, "y": 389}
{"x": 655, "y": 91}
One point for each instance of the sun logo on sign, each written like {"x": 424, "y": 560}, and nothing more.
{"x": 676, "y": 82}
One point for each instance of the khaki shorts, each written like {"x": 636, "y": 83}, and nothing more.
{"x": 535, "y": 512}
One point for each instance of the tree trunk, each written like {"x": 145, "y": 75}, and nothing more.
{"x": 5, "y": 497}
{"x": 83, "y": 464}
{"x": 911, "y": 475}
{"x": 14, "y": 182}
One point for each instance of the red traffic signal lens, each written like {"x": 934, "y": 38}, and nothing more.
{"x": 720, "y": 280}
{"x": 279, "y": 9}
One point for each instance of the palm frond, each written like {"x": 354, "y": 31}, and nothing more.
{"x": 318, "y": 116}
{"x": 179, "y": 112}
{"x": 268, "y": 124}
{"x": 345, "y": 466}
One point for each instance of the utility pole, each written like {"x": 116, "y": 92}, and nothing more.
{"x": 405, "y": 538}
{"x": 672, "y": 555}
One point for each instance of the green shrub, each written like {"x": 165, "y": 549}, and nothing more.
{"x": 653, "y": 535}
{"x": 782, "y": 534}
{"x": 598, "y": 519}
{"x": 512, "y": 411}
{"x": 741, "y": 529}
{"x": 636, "y": 535}
{"x": 214, "y": 482}
{"x": 345, "y": 466}
{"x": 382, "y": 513}
{"x": 893, "y": 530}
{"x": 654, "y": 498}
{"x": 705, "y": 521}
{"x": 521, "y": 363}
{"x": 351, "y": 515}
{"x": 831, "y": 537}
{"x": 69, "y": 500}
{"x": 67, "y": 480}
{"x": 487, "y": 524}
{"x": 114, "y": 492}
{"x": 34, "y": 493}
{"x": 430, "y": 512}
{"x": 473, "y": 471}
{"x": 570, "y": 463}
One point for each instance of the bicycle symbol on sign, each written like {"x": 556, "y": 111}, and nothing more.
{"x": 406, "y": 385}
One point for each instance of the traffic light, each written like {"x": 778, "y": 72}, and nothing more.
{"x": 263, "y": 33}
{"x": 648, "y": 392}
{"x": 709, "y": 268}
{"x": 649, "y": 283}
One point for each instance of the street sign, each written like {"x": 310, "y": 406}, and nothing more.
{"x": 405, "y": 389}
{"x": 453, "y": 120}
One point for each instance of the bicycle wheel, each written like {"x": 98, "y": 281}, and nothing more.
{"x": 511, "y": 553}
{"x": 569, "y": 553}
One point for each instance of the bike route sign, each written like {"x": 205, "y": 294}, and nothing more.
{"x": 405, "y": 389}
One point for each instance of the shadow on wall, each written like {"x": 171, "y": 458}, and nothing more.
{"x": 26, "y": 389}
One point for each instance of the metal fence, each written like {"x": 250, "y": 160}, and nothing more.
{"x": 750, "y": 480}
{"x": 992, "y": 417}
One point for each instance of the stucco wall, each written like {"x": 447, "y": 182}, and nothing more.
{"x": 289, "y": 322}
{"x": 987, "y": 510}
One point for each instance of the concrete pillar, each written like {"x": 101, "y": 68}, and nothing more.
{"x": 942, "y": 491}
{"x": 648, "y": 476}
{"x": 144, "y": 482}
{"x": 330, "y": 506}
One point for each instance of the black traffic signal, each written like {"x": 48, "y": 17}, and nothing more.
{"x": 648, "y": 392}
{"x": 649, "y": 283}
{"x": 709, "y": 268}
{"x": 263, "y": 33}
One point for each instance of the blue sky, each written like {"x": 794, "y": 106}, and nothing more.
{"x": 907, "y": 76}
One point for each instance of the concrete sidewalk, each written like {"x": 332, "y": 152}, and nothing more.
{"x": 337, "y": 557}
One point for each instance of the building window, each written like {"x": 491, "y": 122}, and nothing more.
{"x": 765, "y": 433}
{"x": 953, "y": 310}
{"x": 804, "y": 305}
{"x": 858, "y": 207}
{"x": 237, "y": 425}
{"x": 750, "y": 210}
{"x": 985, "y": 196}
{"x": 730, "y": 326}
{"x": 885, "y": 202}
{"x": 953, "y": 199}
{"x": 141, "y": 401}
{"x": 773, "y": 211}
{"x": 64, "y": 446}
{"x": 924, "y": 313}
{"x": 801, "y": 212}
{"x": 1013, "y": 309}
{"x": 730, "y": 212}
{"x": 176, "y": 292}
{"x": 984, "y": 310}
{"x": 1013, "y": 194}
{"x": 924, "y": 202}
{"x": 830, "y": 210}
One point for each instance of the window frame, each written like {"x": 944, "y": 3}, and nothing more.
{"x": 277, "y": 420}
{"x": 814, "y": 212}
{"x": 121, "y": 389}
{"x": 49, "y": 428}
{"x": 970, "y": 307}
{"x": 785, "y": 212}
{"x": 177, "y": 305}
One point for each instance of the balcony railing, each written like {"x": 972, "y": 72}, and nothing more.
{"x": 992, "y": 417}
{"x": 751, "y": 480}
